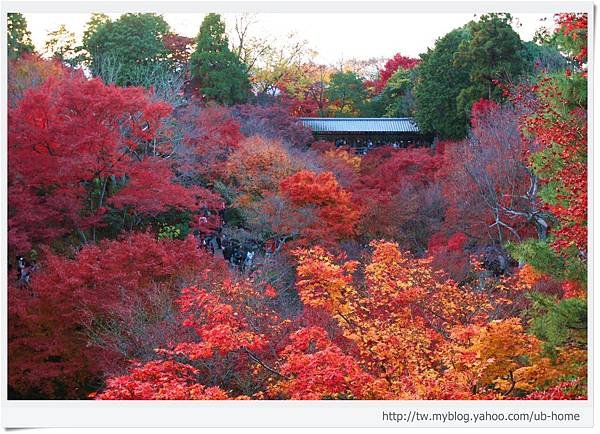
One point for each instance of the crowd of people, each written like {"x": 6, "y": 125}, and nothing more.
{"x": 215, "y": 236}
{"x": 362, "y": 146}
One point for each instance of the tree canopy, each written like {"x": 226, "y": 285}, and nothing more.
{"x": 166, "y": 241}
{"x": 493, "y": 53}
{"x": 346, "y": 94}
{"x": 18, "y": 35}
{"x": 125, "y": 50}
{"x": 61, "y": 44}
{"x": 438, "y": 85}
{"x": 396, "y": 98}
{"x": 220, "y": 74}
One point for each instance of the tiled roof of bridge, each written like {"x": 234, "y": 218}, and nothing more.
{"x": 360, "y": 125}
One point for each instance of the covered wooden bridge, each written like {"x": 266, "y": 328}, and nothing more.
{"x": 366, "y": 133}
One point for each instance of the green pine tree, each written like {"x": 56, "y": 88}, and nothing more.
{"x": 439, "y": 82}
{"x": 18, "y": 36}
{"x": 559, "y": 323}
{"x": 493, "y": 52}
{"x": 222, "y": 77}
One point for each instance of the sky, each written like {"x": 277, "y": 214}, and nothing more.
{"x": 335, "y": 37}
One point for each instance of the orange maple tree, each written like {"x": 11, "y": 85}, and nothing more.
{"x": 422, "y": 335}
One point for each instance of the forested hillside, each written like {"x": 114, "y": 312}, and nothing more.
{"x": 175, "y": 233}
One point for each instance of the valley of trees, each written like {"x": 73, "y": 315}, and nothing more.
{"x": 175, "y": 233}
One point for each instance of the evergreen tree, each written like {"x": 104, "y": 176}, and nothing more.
{"x": 18, "y": 36}
{"x": 346, "y": 94}
{"x": 220, "y": 74}
{"x": 438, "y": 84}
{"x": 494, "y": 52}
{"x": 462, "y": 68}
{"x": 125, "y": 50}
{"x": 96, "y": 20}
{"x": 559, "y": 323}
{"x": 396, "y": 99}
{"x": 543, "y": 58}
